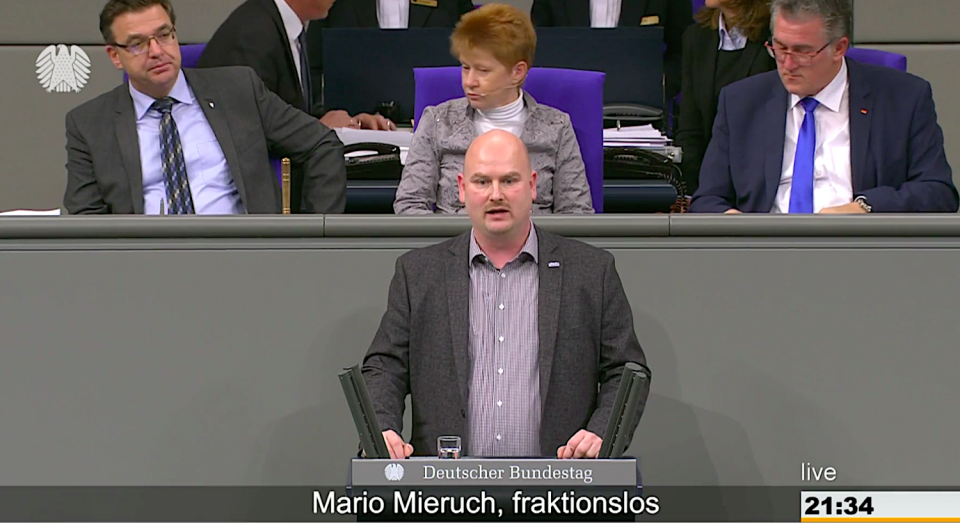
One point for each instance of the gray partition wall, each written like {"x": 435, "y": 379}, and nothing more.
{"x": 33, "y": 173}
{"x": 204, "y": 351}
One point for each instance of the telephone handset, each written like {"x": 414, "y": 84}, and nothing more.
{"x": 636, "y": 163}
{"x": 381, "y": 161}
{"x": 632, "y": 114}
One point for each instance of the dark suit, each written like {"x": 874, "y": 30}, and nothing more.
{"x": 103, "y": 151}
{"x": 896, "y": 146}
{"x": 674, "y": 16}
{"x": 698, "y": 105}
{"x": 254, "y": 35}
{"x": 421, "y": 347}
{"x": 363, "y": 13}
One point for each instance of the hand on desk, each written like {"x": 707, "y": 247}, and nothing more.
{"x": 850, "y": 208}
{"x": 583, "y": 444}
{"x": 398, "y": 449}
{"x": 341, "y": 119}
{"x": 732, "y": 211}
{"x": 375, "y": 122}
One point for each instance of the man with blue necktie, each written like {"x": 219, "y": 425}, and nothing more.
{"x": 824, "y": 134}
{"x": 189, "y": 141}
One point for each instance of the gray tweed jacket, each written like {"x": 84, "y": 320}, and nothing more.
{"x": 446, "y": 131}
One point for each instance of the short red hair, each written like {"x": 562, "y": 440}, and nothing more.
{"x": 503, "y": 30}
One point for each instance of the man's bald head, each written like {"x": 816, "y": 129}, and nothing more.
{"x": 497, "y": 185}
{"x": 497, "y": 146}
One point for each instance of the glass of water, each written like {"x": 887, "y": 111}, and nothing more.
{"x": 448, "y": 447}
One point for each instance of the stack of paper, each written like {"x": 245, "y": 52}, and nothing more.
{"x": 638, "y": 136}
{"x": 399, "y": 138}
{"x": 28, "y": 212}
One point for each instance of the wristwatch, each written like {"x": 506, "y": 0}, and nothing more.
{"x": 862, "y": 201}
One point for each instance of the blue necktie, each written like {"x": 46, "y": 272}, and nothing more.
{"x": 305, "y": 81}
{"x": 801, "y": 189}
{"x": 179, "y": 199}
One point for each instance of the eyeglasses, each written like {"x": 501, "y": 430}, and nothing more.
{"x": 779, "y": 53}
{"x": 138, "y": 47}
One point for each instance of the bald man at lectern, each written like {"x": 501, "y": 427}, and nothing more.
{"x": 511, "y": 337}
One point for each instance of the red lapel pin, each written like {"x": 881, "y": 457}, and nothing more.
{"x": 863, "y": 111}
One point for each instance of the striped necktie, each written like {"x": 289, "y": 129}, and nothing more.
{"x": 179, "y": 199}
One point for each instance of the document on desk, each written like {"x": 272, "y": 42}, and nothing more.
{"x": 29, "y": 212}
{"x": 400, "y": 138}
{"x": 635, "y": 136}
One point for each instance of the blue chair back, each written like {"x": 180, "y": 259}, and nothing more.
{"x": 877, "y": 57}
{"x": 190, "y": 54}
{"x": 577, "y": 93}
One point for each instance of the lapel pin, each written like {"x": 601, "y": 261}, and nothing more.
{"x": 863, "y": 111}
{"x": 211, "y": 104}
{"x": 553, "y": 264}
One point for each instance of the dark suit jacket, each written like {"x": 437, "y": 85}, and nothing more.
{"x": 254, "y": 35}
{"x": 363, "y": 13}
{"x": 698, "y": 106}
{"x": 421, "y": 347}
{"x": 896, "y": 146}
{"x": 674, "y": 17}
{"x": 103, "y": 151}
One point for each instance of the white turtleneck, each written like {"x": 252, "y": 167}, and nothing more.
{"x": 510, "y": 118}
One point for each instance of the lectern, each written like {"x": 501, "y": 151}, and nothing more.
{"x": 502, "y": 489}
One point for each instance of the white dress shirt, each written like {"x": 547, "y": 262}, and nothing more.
{"x": 393, "y": 14}
{"x": 832, "y": 183}
{"x": 731, "y": 39}
{"x": 293, "y": 26}
{"x": 510, "y": 118}
{"x": 605, "y": 13}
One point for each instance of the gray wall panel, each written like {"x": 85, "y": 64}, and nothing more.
{"x": 34, "y": 173}
{"x": 78, "y": 21}
{"x": 878, "y": 21}
{"x": 219, "y": 368}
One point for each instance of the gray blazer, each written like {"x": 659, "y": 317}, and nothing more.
{"x": 103, "y": 151}
{"x": 447, "y": 130}
{"x": 421, "y": 347}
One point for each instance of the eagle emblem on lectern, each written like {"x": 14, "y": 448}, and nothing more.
{"x": 393, "y": 472}
{"x": 63, "y": 70}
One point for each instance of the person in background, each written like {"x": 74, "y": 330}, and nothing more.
{"x": 823, "y": 133}
{"x": 189, "y": 141}
{"x": 509, "y": 336}
{"x": 673, "y": 15}
{"x": 384, "y": 14}
{"x": 726, "y": 45}
{"x": 269, "y": 37}
{"x": 495, "y": 45}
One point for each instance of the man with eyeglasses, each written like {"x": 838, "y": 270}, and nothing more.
{"x": 824, "y": 134}
{"x": 189, "y": 141}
